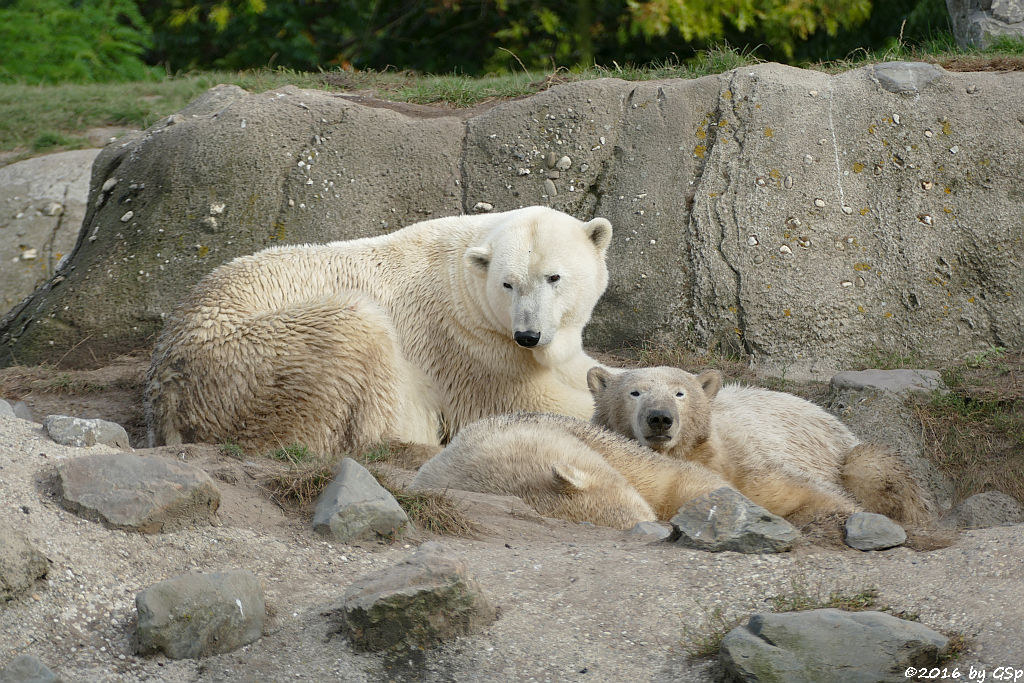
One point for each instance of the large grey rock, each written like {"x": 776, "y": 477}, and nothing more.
{"x": 726, "y": 520}
{"x": 826, "y": 646}
{"x": 137, "y": 493}
{"x": 42, "y": 203}
{"x": 871, "y": 531}
{"x": 20, "y": 564}
{"x": 418, "y": 603}
{"x": 27, "y": 669}
{"x": 354, "y": 506}
{"x": 82, "y": 432}
{"x": 978, "y": 23}
{"x": 800, "y": 217}
{"x": 198, "y": 615}
{"x": 897, "y": 381}
{"x": 991, "y": 508}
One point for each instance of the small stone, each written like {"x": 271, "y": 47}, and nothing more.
{"x": 925, "y": 218}
{"x": 760, "y": 181}
{"x": 758, "y": 259}
{"x": 29, "y": 255}
{"x": 804, "y": 242}
{"x": 523, "y": 171}
{"x": 752, "y": 241}
{"x": 971, "y": 89}
{"x": 650, "y": 529}
{"x": 785, "y": 250}
{"x": 847, "y": 210}
{"x": 871, "y": 531}
{"x": 355, "y": 506}
{"x": 954, "y": 149}
{"x": 108, "y": 184}
{"x": 550, "y": 159}
{"x": 820, "y": 203}
{"x": 808, "y": 159}
{"x": 53, "y": 209}
{"x": 726, "y": 520}
{"x": 896, "y": 119}
{"x": 788, "y": 182}
{"x": 926, "y": 184}
{"x": 127, "y": 216}
{"x": 813, "y": 93}
{"x": 208, "y": 224}
{"x": 928, "y": 133}
{"x": 483, "y": 207}
{"x": 549, "y": 188}
{"x": 554, "y": 175}
{"x": 846, "y": 283}
{"x": 216, "y": 209}
{"x": 793, "y": 222}
{"x": 82, "y": 433}
{"x": 563, "y": 164}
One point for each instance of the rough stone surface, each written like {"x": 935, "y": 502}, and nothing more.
{"x": 137, "y": 493}
{"x": 726, "y": 520}
{"x": 418, "y": 603}
{"x": 826, "y": 646}
{"x": 883, "y": 417}
{"x": 80, "y": 432}
{"x": 27, "y": 669}
{"x": 800, "y": 217}
{"x": 198, "y": 615}
{"x": 991, "y": 508}
{"x": 20, "y": 564}
{"x": 896, "y": 381}
{"x": 42, "y": 202}
{"x": 354, "y": 506}
{"x": 871, "y": 531}
{"x": 977, "y": 23}
{"x": 652, "y": 530}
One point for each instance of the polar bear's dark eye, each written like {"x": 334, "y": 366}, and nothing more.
{"x": 554, "y": 278}
{"x": 679, "y": 394}
{"x": 634, "y": 393}
{"x": 506, "y": 285}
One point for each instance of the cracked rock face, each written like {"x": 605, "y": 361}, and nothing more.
{"x": 981, "y": 22}
{"x": 798, "y": 217}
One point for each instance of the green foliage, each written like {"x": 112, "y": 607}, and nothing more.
{"x": 294, "y": 454}
{"x": 50, "y": 41}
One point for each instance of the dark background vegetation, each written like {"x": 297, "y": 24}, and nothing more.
{"x": 47, "y": 41}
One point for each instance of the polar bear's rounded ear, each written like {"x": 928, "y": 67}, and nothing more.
{"x": 597, "y": 379}
{"x": 478, "y": 258}
{"x": 568, "y": 478}
{"x": 710, "y": 382}
{"x": 599, "y": 231}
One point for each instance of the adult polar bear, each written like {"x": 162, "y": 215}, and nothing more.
{"x": 398, "y": 337}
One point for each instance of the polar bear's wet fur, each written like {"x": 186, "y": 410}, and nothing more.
{"x": 567, "y": 468}
{"x": 406, "y": 336}
{"x": 781, "y": 451}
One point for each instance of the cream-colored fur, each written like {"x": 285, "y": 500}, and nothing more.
{"x": 567, "y": 468}
{"x": 402, "y": 336}
{"x": 781, "y": 451}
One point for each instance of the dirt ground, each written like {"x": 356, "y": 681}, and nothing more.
{"x": 576, "y": 601}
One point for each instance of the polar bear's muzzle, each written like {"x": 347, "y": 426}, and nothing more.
{"x": 527, "y": 339}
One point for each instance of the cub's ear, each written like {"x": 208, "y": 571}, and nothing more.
{"x": 597, "y": 380}
{"x": 568, "y": 478}
{"x": 710, "y": 382}
{"x": 478, "y": 259}
{"x": 599, "y": 231}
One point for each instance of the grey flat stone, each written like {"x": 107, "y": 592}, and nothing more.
{"x": 81, "y": 432}
{"x": 871, "y": 531}
{"x": 20, "y": 564}
{"x": 726, "y": 520}
{"x": 354, "y": 506}
{"x": 896, "y": 381}
{"x": 27, "y": 669}
{"x": 905, "y": 77}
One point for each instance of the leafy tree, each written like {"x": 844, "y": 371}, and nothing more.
{"x": 72, "y": 40}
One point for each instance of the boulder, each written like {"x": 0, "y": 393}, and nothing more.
{"x": 354, "y": 506}
{"x": 795, "y": 216}
{"x": 20, "y": 564}
{"x": 27, "y": 669}
{"x": 42, "y": 203}
{"x": 81, "y": 432}
{"x": 828, "y": 646}
{"x": 725, "y": 519}
{"x": 871, "y": 531}
{"x": 418, "y": 603}
{"x": 148, "y": 494}
{"x": 990, "y": 508}
{"x": 198, "y": 615}
{"x": 979, "y": 23}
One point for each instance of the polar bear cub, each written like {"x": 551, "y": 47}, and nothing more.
{"x": 407, "y": 336}
{"x": 781, "y": 451}
{"x": 567, "y": 468}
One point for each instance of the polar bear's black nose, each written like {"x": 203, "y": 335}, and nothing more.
{"x": 659, "y": 420}
{"x": 527, "y": 338}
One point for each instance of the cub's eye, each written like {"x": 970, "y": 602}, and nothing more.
{"x": 554, "y": 278}
{"x": 679, "y": 394}
{"x": 634, "y": 393}
{"x": 506, "y": 285}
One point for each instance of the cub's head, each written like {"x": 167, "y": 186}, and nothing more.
{"x": 541, "y": 271}
{"x": 600, "y": 496}
{"x": 665, "y": 409}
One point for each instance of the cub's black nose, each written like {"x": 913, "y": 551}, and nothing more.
{"x": 527, "y": 338}
{"x": 659, "y": 420}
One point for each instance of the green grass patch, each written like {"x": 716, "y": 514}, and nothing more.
{"x": 295, "y": 453}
